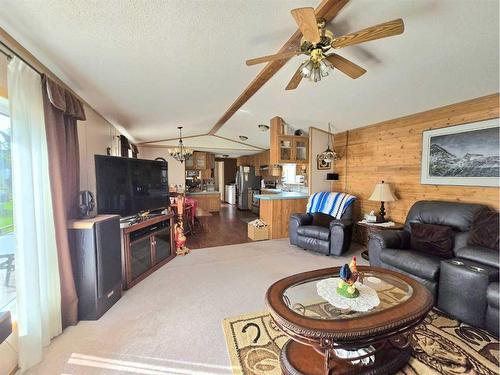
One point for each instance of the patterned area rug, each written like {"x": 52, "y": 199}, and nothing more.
{"x": 441, "y": 345}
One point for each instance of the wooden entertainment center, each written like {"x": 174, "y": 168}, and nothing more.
{"x": 146, "y": 246}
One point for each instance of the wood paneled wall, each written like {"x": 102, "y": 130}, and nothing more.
{"x": 391, "y": 151}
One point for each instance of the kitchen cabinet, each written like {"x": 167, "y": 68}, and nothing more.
{"x": 261, "y": 160}
{"x": 287, "y": 148}
{"x": 258, "y": 160}
{"x": 201, "y": 161}
{"x": 189, "y": 163}
{"x": 247, "y": 160}
{"x": 300, "y": 149}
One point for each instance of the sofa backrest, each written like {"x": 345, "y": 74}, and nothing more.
{"x": 456, "y": 215}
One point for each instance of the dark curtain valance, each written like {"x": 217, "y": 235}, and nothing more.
{"x": 124, "y": 146}
{"x": 64, "y": 100}
{"x": 135, "y": 151}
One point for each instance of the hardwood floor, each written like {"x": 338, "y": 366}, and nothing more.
{"x": 224, "y": 228}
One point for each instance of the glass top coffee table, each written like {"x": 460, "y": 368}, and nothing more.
{"x": 343, "y": 336}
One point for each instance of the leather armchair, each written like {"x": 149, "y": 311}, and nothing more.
{"x": 463, "y": 286}
{"x": 332, "y": 240}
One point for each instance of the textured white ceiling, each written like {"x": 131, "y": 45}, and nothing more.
{"x": 215, "y": 143}
{"x": 149, "y": 66}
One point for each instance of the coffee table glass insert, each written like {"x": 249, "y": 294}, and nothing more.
{"x": 303, "y": 298}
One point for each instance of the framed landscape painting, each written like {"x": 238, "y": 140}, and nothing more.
{"x": 462, "y": 155}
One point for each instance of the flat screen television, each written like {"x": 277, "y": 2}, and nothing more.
{"x": 126, "y": 186}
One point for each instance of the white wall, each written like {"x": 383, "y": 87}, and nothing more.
{"x": 317, "y": 144}
{"x": 176, "y": 170}
{"x": 95, "y": 135}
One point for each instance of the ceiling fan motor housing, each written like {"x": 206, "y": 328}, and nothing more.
{"x": 324, "y": 43}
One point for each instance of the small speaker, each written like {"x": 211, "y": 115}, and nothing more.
{"x": 332, "y": 176}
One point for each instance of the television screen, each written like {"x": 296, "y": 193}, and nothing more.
{"x": 127, "y": 186}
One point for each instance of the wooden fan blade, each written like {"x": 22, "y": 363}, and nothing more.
{"x": 306, "y": 20}
{"x": 345, "y": 66}
{"x": 382, "y": 30}
{"x": 278, "y": 56}
{"x": 294, "y": 82}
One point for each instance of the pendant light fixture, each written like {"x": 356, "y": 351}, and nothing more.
{"x": 180, "y": 153}
{"x": 329, "y": 155}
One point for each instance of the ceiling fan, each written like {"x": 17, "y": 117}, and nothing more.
{"x": 317, "y": 41}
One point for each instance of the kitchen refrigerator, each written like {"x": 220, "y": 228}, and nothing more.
{"x": 245, "y": 179}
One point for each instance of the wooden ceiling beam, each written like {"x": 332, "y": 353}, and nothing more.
{"x": 328, "y": 9}
{"x": 241, "y": 143}
{"x": 152, "y": 143}
{"x": 171, "y": 139}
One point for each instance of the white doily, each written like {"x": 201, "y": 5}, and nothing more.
{"x": 367, "y": 299}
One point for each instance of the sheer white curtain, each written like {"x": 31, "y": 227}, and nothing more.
{"x": 37, "y": 272}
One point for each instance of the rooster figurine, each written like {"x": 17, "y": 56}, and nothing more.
{"x": 348, "y": 276}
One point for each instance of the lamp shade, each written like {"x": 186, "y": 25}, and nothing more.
{"x": 382, "y": 193}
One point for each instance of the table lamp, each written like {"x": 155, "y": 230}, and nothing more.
{"x": 382, "y": 193}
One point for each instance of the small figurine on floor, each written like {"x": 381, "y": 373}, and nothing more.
{"x": 180, "y": 240}
{"x": 348, "y": 276}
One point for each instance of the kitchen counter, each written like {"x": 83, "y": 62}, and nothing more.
{"x": 275, "y": 210}
{"x": 203, "y": 193}
{"x": 282, "y": 196}
{"x": 207, "y": 200}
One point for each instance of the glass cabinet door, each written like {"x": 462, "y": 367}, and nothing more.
{"x": 285, "y": 149}
{"x": 200, "y": 160}
{"x": 300, "y": 150}
{"x": 190, "y": 162}
{"x": 140, "y": 256}
{"x": 163, "y": 245}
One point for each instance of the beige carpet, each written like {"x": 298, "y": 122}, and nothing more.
{"x": 170, "y": 322}
{"x": 441, "y": 346}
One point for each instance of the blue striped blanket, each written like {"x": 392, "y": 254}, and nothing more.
{"x": 330, "y": 203}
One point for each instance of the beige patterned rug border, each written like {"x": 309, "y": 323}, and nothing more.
{"x": 443, "y": 346}
{"x": 230, "y": 339}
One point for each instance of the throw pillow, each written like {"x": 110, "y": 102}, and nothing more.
{"x": 484, "y": 229}
{"x": 432, "y": 239}
{"x": 322, "y": 220}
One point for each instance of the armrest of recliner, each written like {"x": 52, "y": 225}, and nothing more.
{"x": 340, "y": 236}
{"x": 343, "y": 223}
{"x": 302, "y": 219}
{"x": 386, "y": 239}
{"x": 297, "y": 220}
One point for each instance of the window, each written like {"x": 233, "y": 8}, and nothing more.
{"x": 7, "y": 243}
{"x": 288, "y": 174}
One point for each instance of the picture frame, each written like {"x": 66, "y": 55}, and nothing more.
{"x": 323, "y": 165}
{"x": 464, "y": 155}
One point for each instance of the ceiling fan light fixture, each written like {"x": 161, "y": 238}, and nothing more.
{"x": 306, "y": 68}
{"x": 316, "y": 74}
{"x": 325, "y": 66}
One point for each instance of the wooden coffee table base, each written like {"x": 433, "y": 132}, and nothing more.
{"x": 299, "y": 359}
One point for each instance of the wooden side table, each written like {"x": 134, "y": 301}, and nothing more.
{"x": 362, "y": 230}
